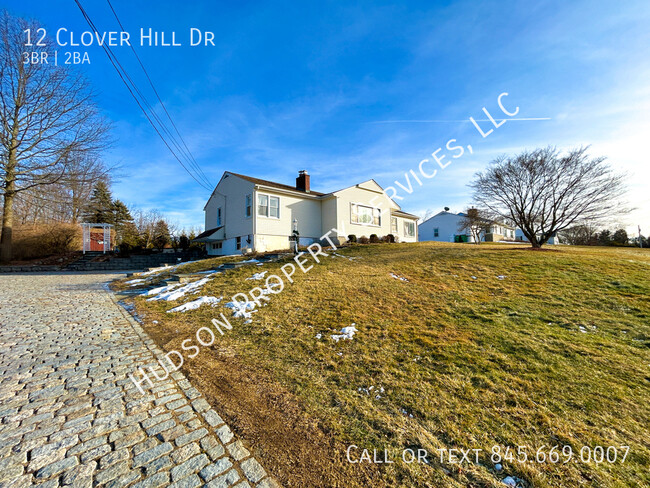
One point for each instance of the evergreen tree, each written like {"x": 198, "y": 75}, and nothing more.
{"x": 131, "y": 236}
{"x": 184, "y": 242}
{"x": 121, "y": 218}
{"x": 161, "y": 235}
{"x": 620, "y": 236}
{"x": 604, "y": 238}
{"x": 100, "y": 207}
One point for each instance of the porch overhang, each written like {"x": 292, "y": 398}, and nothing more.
{"x": 211, "y": 235}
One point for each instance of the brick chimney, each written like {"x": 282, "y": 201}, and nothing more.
{"x": 302, "y": 182}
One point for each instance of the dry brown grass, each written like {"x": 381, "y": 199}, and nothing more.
{"x": 476, "y": 362}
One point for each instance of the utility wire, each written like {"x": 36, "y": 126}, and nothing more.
{"x": 113, "y": 59}
{"x": 191, "y": 156}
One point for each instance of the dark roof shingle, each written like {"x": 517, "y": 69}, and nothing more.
{"x": 273, "y": 184}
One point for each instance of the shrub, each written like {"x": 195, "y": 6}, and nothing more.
{"x": 184, "y": 242}
{"x": 374, "y": 239}
{"x": 390, "y": 238}
{"x": 363, "y": 240}
{"x": 125, "y": 249}
{"x": 352, "y": 238}
{"x": 40, "y": 241}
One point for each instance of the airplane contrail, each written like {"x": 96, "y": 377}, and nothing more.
{"x": 444, "y": 121}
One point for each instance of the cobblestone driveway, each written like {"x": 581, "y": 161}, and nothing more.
{"x": 71, "y": 416}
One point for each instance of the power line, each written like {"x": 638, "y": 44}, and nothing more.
{"x": 113, "y": 59}
{"x": 191, "y": 156}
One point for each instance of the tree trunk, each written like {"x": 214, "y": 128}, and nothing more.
{"x": 7, "y": 224}
{"x": 10, "y": 192}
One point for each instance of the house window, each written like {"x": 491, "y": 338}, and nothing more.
{"x": 238, "y": 242}
{"x": 262, "y": 205}
{"x": 249, "y": 205}
{"x": 436, "y": 232}
{"x": 268, "y": 206}
{"x": 360, "y": 214}
{"x": 216, "y": 245}
{"x": 219, "y": 217}
{"x": 274, "y": 207}
{"x": 409, "y": 228}
{"x": 393, "y": 225}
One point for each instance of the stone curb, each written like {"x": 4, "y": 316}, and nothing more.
{"x": 243, "y": 462}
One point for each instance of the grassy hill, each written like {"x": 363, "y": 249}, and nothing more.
{"x": 476, "y": 346}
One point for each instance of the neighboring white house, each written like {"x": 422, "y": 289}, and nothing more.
{"x": 519, "y": 236}
{"x": 260, "y": 215}
{"x": 444, "y": 227}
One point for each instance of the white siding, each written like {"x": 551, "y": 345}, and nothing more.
{"x": 369, "y": 194}
{"x": 447, "y": 225}
{"x": 230, "y": 195}
{"x": 306, "y": 210}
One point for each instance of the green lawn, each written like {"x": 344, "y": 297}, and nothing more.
{"x": 557, "y": 352}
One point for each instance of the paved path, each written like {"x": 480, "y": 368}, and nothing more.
{"x": 70, "y": 416}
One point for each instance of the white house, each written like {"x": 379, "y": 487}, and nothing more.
{"x": 444, "y": 227}
{"x": 260, "y": 215}
{"x": 519, "y": 236}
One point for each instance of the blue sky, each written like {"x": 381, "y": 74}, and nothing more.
{"x": 367, "y": 90}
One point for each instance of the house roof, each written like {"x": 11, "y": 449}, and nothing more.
{"x": 273, "y": 184}
{"x": 204, "y": 236}
{"x": 400, "y": 213}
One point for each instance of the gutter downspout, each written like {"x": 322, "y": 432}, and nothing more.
{"x": 254, "y": 214}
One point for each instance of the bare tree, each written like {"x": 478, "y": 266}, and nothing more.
{"x": 583, "y": 234}
{"x": 48, "y": 120}
{"x": 544, "y": 191}
{"x": 476, "y": 222}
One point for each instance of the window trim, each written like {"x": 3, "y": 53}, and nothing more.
{"x": 394, "y": 229}
{"x": 436, "y": 232}
{"x": 352, "y": 204}
{"x": 269, "y": 198}
{"x": 248, "y": 206}
{"x": 271, "y": 206}
{"x": 407, "y": 224}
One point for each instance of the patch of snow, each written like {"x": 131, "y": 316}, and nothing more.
{"x": 406, "y": 413}
{"x": 161, "y": 269}
{"x": 154, "y": 322}
{"x": 139, "y": 280}
{"x": 346, "y": 333}
{"x": 157, "y": 270}
{"x": 474, "y": 278}
{"x": 240, "y": 309}
{"x": 175, "y": 294}
{"x": 193, "y": 305}
{"x": 399, "y": 277}
{"x": 501, "y": 277}
{"x": 161, "y": 289}
{"x": 511, "y": 481}
{"x": 318, "y": 336}
{"x": 498, "y": 466}
{"x": 351, "y": 258}
{"x": 258, "y": 276}
{"x": 582, "y": 329}
{"x": 250, "y": 261}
